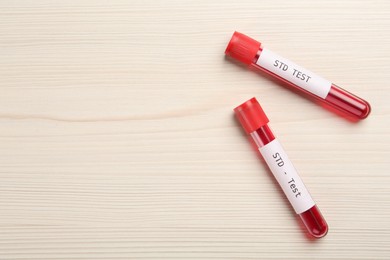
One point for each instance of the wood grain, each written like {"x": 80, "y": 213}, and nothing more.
{"x": 118, "y": 139}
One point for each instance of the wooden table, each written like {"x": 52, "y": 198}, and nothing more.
{"x": 118, "y": 139}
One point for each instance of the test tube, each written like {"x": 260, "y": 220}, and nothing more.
{"x": 251, "y": 52}
{"x": 255, "y": 123}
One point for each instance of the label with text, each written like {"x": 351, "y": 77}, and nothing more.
{"x": 287, "y": 177}
{"x": 293, "y": 73}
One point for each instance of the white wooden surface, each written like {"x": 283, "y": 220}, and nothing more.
{"x": 118, "y": 139}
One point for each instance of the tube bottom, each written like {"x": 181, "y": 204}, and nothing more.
{"x": 314, "y": 222}
{"x": 348, "y": 103}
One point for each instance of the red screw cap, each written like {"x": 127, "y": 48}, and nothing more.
{"x": 251, "y": 115}
{"x": 242, "y": 48}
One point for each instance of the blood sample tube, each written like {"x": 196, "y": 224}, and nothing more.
{"x": 251, "y": 52}
{"x": 255, "y": 122}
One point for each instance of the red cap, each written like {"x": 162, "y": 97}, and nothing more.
{"x": 242, "y": 48}
{"x": 251, "y": 115}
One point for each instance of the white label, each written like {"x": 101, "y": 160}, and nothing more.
{"x": 287, "y": 177}
{"x": 293, "y": 73}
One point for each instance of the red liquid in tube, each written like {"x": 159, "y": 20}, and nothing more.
{"x": 251, "y": 52}
{"x": 255, "y": 122}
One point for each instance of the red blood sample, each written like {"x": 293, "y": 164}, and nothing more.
{"x": 255, "y": 122}
{"x": 251, "y": 52}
